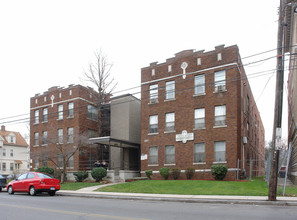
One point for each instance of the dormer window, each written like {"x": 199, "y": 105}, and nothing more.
{"x": 11, "y": 138}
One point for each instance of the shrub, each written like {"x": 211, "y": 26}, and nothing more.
{"x": 219, "y": 171}
{"x": 148, "y": 173}
{"x": 80, "y": 176}
{"x": 47, "y": 170}
{"x": 175, "y": 172}
{"x": 190, "y": 173}
{"x": 164, "y": 172}
{"x": 98, "y": 173}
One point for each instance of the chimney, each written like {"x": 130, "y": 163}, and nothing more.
{"x": 3, "y": 128}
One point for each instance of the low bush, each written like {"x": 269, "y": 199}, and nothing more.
{"x": 164, "y": 172}
{"x": 47, "y": 170}
{"x": 190, "y": 173}
{"x": 219, "y": 171}
{"x": 80, "y": 176}
{"x": 148, "y": 173}
{"x": 175, "y": 172}
{"x": 98, "y": 173}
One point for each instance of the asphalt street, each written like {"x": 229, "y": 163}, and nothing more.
{"x": 25, "y": 207}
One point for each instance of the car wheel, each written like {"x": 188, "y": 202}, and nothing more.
{"x": 52, "y": 193}
{"x": 0, "y": 189}
{"x": 10, "y": 190}
{"x": 32, "y": 191}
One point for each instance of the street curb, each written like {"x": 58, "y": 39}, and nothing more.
{"x": 185, "y": 200}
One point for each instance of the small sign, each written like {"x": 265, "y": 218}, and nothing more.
{"x": 143, "y": 156}
{"x": 184, "y": 136}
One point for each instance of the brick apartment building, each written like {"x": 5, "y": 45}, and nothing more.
{"x": 65, "y": 117}
{"x": 197, "y": 109}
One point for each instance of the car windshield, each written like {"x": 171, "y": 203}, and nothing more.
{"x": 42, "y": 175}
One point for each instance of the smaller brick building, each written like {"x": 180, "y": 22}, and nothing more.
{"x": 198, "y": 110}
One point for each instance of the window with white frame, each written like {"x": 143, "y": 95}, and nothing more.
{"x": 4, "y": 152}
{"x": 11, "y": 152}
{"x": 220, "y": 151}
{"x": 169, "y": 68}
{"x": 170, "y": 121}
{"x": 220, "y": 81}
{"x": 199, "y": 153}
{"x": 60, "y": 112}
{"x": 220, "y": 115}
{"x": 92, "y": 112}
{"x": 44, "y": 138}
{"x": 153, "y": 124}
{"x": 153, "y": 155}
{"x": 70, "y": 162}
{"x": 153, "y": 93}
{"x": 36, "y": 116}
{"x": 219, "y": 56}
{"x": 60, "y": 136}
{"x": 198, "y": 61}
{"x": 36, "y": 139}
{"x": 170, "y": 90}
{"x": 70, "y": 135}
{"x": 199, "y": 118}
{"x": 199, "y": 84}
{"x": 170, "y": 154}
{"x": 70, "y": 110}
{"x": 45, "y": 115}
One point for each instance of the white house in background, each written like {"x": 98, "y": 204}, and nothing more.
{"x": 14, "y": 154}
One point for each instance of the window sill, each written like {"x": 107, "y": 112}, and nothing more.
{"x": 36, "y": 123}
{"x": 197, "y": 95}
{"x": 59, "y": 119}
{"x": 197, "y": 129}
{"x": 35, "y": 145}
{"x": 171, "y": 164}
{"x": 201, "y": 163}
{"x": 219, "y": 162}
{"x": 69, "y": 117}
{"x": 153, "y": 165}
{"x": 154, "y": 102}
{"x": 220, "y": 126}
{"x": 169, "y": 100}
{"x": 44, "y": 145}
{"x": 169, "y": 132}
{"x": 153, "y": 133}
{"x": 225, "y": 90}
{"x": 44, "y": 122}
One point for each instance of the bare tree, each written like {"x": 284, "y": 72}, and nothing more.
{"x": 99, "y": 76}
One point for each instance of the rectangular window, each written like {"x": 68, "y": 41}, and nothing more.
{"x": 170, "y": 90}
{"x": 199, "y": 118}
{"x": 44, "y": 160}
{"x": 154, "y": 124}
{"x": 220, "y": 115}
{"x": 36, "y": 139}
{"x": 11, "y": 167}
{"x": 70, "y": 110}
{"x": 60, "y": 136}
{"x": 45, "y": 115}
{"x": 219, "y": 56}
{"x": 60, "y": 112}
{"x": 36, "y": 117}
{"x": 170, "y": 121}
{"x": 4, "y": 152}
{"x": 199, "y": 84}
{"x": 198, "y": 61}
{"x": 92, "y": 112}
{"x": 60, "y": 160}
{"x": 154, "y": 93}
{"x": 220, "y": 81}
{"x": 220, "y": 151}
{"x": 169, "y": 154}
{"x": 44, "y": 138}
{"x": 169, "y": 68}
{"x": 153, "y": 155}
{"x": 36, "y": 161}
{"x": 70, "y": 162}
{"x": 70, "y": 135}
{"x": 3, "y": 166}
{"x": 199, "y": 153}
{"x": 11, "y": 152}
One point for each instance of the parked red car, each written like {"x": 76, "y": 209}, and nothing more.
{"x": 33, "y": 183}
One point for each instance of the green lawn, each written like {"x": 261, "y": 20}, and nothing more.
{"x": 77, "y": 185}
{"x": 196, "y": 187}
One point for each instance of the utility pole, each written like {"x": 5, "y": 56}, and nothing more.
{"x": 278, "y": 105}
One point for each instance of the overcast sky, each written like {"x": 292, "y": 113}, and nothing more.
{"x": 50, "y": 43}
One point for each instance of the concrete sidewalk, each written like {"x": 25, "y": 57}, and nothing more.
{"x": 252, "y": 200}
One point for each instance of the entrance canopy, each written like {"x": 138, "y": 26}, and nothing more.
{"x": 114, "y": 142}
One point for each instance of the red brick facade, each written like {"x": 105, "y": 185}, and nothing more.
{"x": 71, "y": 116}
{"x": 223, "y": 91}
